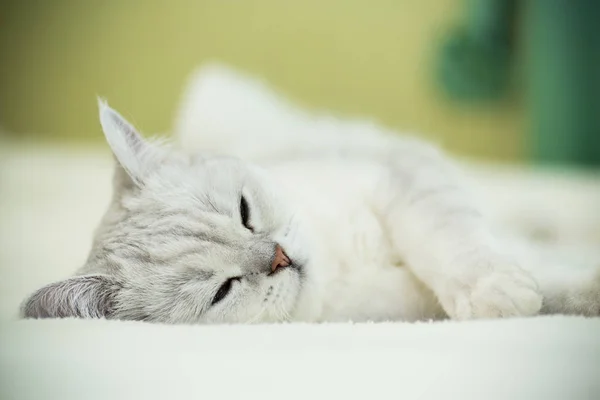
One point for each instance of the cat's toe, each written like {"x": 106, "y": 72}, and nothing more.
{"x": 506, "y": 295}
{"x": 509, "y": 293}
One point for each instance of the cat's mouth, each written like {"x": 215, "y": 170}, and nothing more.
{"x": 292, "y": 266}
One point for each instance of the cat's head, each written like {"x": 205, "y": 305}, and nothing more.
{"x": 187, "y": 239}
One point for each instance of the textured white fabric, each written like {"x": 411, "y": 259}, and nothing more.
{"x": 541, "y": 358}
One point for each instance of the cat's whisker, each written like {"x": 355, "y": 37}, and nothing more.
{"x": 285, "y": 315}
{"x": 257, "y": 316}
{"x": 290, "y": 225}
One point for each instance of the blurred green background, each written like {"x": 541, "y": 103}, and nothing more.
{"x": 363, "y": 58}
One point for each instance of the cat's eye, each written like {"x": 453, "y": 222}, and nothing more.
{"x": 223, "y": 290}
{"x": 245, "y": 214}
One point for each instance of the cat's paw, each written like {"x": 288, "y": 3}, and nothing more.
{"x": 498, "y": 293}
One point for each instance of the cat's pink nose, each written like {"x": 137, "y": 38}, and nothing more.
{"x": 281, "y": 259}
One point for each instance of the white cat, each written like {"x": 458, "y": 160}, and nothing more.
{"x": 328, "y": 221}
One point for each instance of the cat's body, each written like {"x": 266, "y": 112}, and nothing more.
{"x": 360, "y": 275}
{"x": 369, "y": 227}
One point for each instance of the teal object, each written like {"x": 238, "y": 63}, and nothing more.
{"x": 476, "y": 58}
{"x": 562, "y": 75}
{"x": 564, "y": 81}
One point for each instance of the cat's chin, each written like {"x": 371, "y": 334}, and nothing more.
{"x": 284, "y": 290}
{"x": 307, "y": 304}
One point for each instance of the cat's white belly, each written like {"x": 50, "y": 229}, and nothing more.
{"x": 359, "y": 273}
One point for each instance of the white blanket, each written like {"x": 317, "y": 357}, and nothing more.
{"x": 52, "y": 199}
{"x": 543, "y": 358}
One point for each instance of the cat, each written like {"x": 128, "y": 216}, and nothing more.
{"x": 311, "y": 225}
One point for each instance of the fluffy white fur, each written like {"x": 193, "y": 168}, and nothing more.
{"x": 378, "y": 226}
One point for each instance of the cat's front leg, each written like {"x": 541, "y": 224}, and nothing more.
{"x": 484, "y": 284}
{"x": 446, "y": 242}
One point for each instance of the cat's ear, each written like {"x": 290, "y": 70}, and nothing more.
{"x": 135, "y": 155}
{"x": 89, "y": 296}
